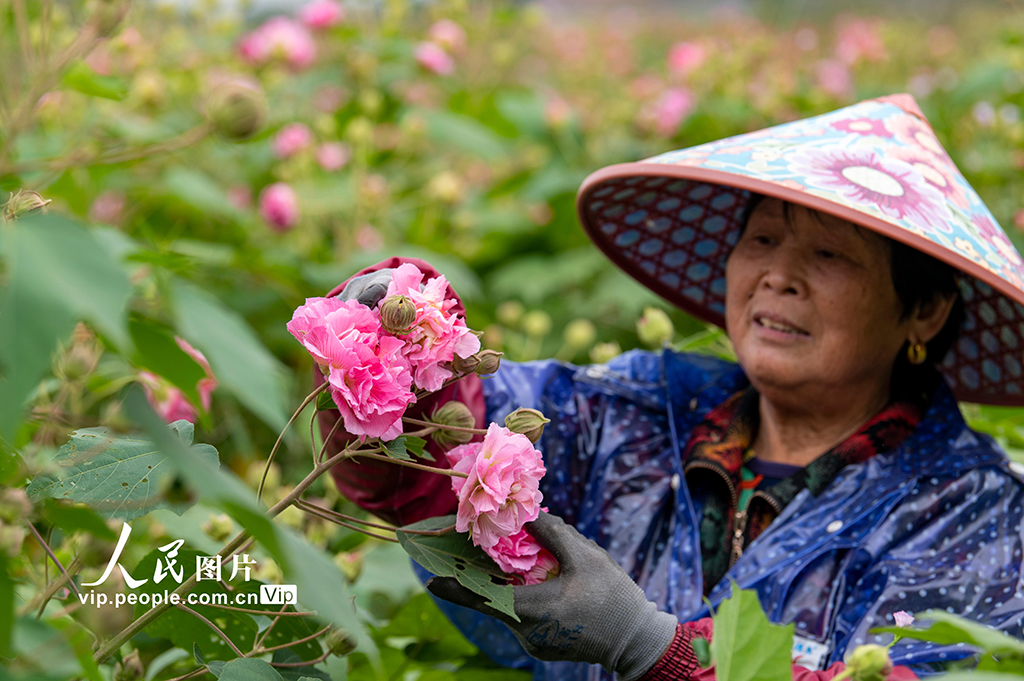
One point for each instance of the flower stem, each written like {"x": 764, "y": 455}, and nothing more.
{"x": 253, "y": 611}
{"x": 301, "y": 503}
{"x": 342, "y": 523}
{"x": 182, "y": 606}
{"x": 410, "y": 464}
{"x": 330, "y": 436}
{"x": 49, "y": 552}
{"x": 273, "y": 452}
{"x": 440, "y": 426}
{"x": 292, "y": 643}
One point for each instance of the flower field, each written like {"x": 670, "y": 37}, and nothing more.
{"x": 182, "y": 189}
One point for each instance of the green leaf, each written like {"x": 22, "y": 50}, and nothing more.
{"x": 746, "y": 646}
{"x": 76, "y": 518}
{"x": 44, "y": 649}
{"x": 455, "y": 131}
{"x": 702, "y": 649}
{"x": 82, "y": 78}
{"x": 453, "y": 555}
{"x": 414, "y": 445}
{"x": 157, "y": 351}
{"x": 198, "y": 191}
{"x": 6, "y": 607}
{"x": 119, "y": 476}
{"x": 949, "y": 629}
{"x": 163, "y": 661}
{"x": 249, "y": 669}
{"x": 57, "y": 273}
{"x": 325, "y": 401}
{"x": 295, "y": 673}
{"x": 438, "y": 638}
{"x": 240, "y": 361}
{"x": 396, "y": 449}
{"x": 185, "y": 630}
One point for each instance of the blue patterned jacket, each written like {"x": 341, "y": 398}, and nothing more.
{"x": 935, "y": 523}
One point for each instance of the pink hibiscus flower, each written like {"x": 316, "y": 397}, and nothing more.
{"x": 279, "y": 38}
{"x": 502, "y": 491}
{"x": 167, "y": 400}
{"x": 863, "y": 177}
{"x": 291, "y": 139}
{"x": 369, "y": 379}
{"x": 436, "y": 336}
{"x": 207, "y": 385}
{"x": 521, "y": 555}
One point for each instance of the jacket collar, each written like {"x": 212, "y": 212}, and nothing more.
{"x": 942, "y": 445}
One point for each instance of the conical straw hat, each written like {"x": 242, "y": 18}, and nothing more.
{"x": 671, "y": 221}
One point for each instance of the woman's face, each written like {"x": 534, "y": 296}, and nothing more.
{"x": 810, "y": 305}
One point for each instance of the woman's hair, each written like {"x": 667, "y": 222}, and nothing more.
{"x": 918, "y": 278}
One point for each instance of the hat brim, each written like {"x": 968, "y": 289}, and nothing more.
{"x": 965, "y": 364}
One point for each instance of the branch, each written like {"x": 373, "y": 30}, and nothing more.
{"x": 182, "y": 606}
{"x": 430, "y": 424}
{"x": 273, "y": 452}
{"x": 347, "y": 525}
{"x": 330, "y": 436}
{"x": 46, "y": 546}
{"x": 291, "y": 643}
{"x": 302, "y": 503}
{"x": 302, "y": 664}
{"x": 253, "y": 611}
{"x": 410, "y": 464}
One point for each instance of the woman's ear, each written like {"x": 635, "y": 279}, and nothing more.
{"x": 929, "y": 318}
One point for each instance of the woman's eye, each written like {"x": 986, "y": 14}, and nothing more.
{"x": 762, "y": 239}
{"x": 828, "y": 255}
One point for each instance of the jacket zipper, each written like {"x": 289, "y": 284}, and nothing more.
{"x": 741, "y": 524}
{"x": 740, "y": 521}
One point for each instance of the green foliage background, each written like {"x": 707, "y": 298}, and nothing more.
{"x": 154, "y": 231}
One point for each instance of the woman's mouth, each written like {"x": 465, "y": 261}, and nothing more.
{"x": 776, "y": 324}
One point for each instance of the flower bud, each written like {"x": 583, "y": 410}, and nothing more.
{"x": 903, "y": 619}
{"x": 340, "y": 642}
{"x": 536, "y": 323}
{"x": 529, "y": 422}
{"x": 23, "y": 202}
{"x": 129, "y": 669}
{"x": 465, "y": 365}
{"x": 869, "y": 663}
{"x": 456, "y": 414}
{"x": 14, "y": 505}
{"x": 490, "y": 360}
{"x": 510, "y": 312}
{"x": 218, "y": 526}
{"x": 397, "y": 315}
{"x": 605, "y": 352}
{"x": 350, "y": 563}
{"x": 654, "y": 328}
{"x": 579, "y": 333}
{"x": 108, "y": 16}
{"x": 236, "y": 108}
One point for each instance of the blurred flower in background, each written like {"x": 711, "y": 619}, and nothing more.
{"x": 279, "y": 206}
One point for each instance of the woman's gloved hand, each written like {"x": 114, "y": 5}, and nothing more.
{"x": 592, "y": 612}
{"x": 368, "y": 289}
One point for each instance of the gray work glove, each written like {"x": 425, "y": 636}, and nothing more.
{"x": 592, "y": 612}
{"x": 368, "y": 289}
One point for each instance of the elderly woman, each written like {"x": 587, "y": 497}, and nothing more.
{"x": 864, "y": 287}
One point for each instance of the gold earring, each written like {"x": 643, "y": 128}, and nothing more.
{"x": 916, "y": 353}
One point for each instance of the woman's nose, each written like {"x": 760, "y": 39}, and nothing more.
{"x": 785, "y": 274}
